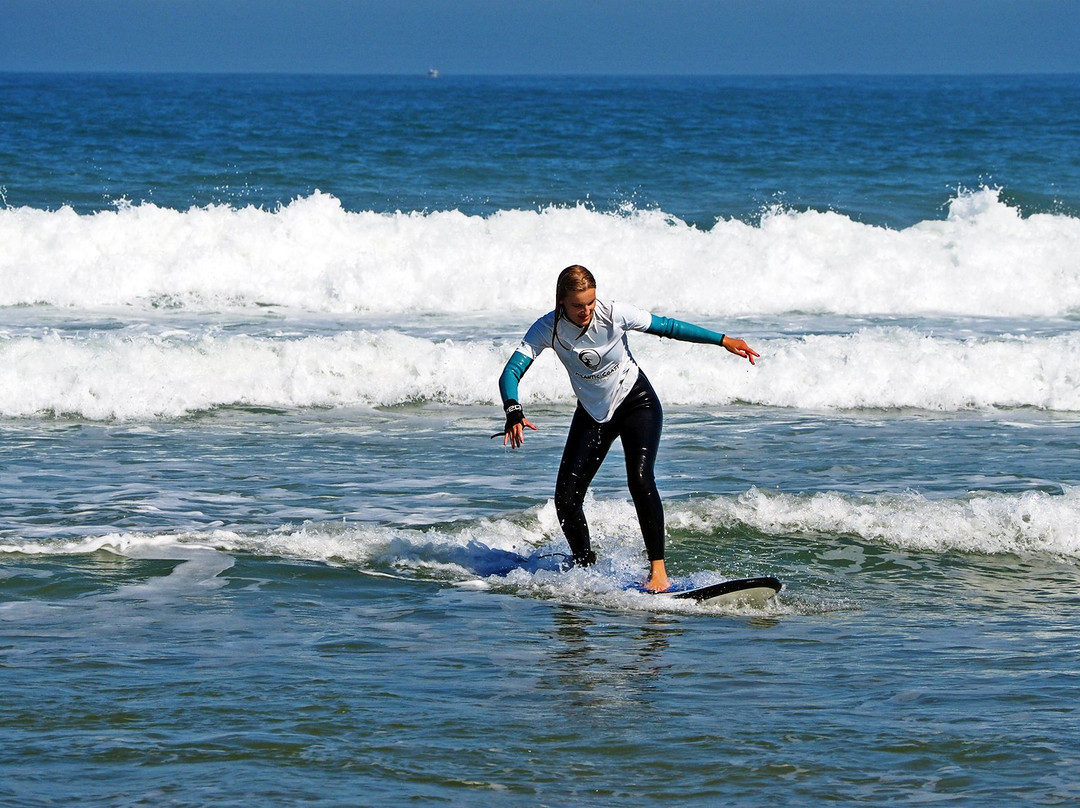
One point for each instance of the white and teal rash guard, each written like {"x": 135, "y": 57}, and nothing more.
{"x": 597, "y": 358}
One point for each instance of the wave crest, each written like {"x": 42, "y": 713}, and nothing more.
{"x": 984, "y": 259}
{"x": 105, "y": 375}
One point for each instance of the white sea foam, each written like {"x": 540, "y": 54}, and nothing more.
{"x": 108, "y": 375}
{"x": 1032, "y": 523}
{"x": 984, "y": 259}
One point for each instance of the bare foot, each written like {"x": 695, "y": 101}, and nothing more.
{"x": 658, "y": 580}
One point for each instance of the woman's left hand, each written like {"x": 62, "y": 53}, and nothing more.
{"x": 740, "y": 348}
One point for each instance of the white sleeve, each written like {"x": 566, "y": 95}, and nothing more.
{"x": 630, "y": 317}
{"x": 538, "y": 337}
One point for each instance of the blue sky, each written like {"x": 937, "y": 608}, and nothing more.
{"x": 542, "y": 36}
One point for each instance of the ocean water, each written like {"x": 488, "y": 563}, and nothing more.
{"x": 257, "y": 547}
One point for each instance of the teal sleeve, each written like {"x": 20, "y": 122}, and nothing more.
{"x": 686, "y": 332}
{"x": 511, "y": 375}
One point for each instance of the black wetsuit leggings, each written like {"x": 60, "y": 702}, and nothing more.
{"x": 637, "y": 421}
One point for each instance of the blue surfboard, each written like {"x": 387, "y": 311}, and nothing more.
{"x": 738, "y": 592}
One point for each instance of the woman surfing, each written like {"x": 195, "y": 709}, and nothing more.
{"x": 615, "y": 400}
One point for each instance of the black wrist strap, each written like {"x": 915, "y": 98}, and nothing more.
{"x": 514, "y": 413}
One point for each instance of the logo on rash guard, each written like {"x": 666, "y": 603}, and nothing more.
{"x": 589, "y": 358}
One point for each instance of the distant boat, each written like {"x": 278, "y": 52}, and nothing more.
{"x": 432, "y": 73}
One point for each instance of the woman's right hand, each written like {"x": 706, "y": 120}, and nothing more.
{"x": 515, "y": 434}
{"x": 514, "y": 431}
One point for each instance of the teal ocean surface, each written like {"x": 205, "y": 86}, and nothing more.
{"x": 257, "y": 548}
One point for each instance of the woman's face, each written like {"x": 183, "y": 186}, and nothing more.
{"x": 579, "y": 306}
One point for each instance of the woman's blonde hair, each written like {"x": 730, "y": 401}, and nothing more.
{"x": 571, "y": 280}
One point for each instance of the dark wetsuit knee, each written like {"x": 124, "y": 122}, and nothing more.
{"x": 638, "y": 422}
